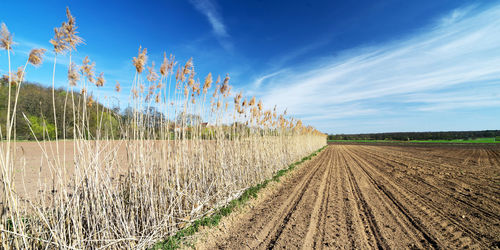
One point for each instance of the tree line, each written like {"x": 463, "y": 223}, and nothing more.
{"x": 35, "y": 115}
{"x": 405, "y": 136}
{"x": 35, "y": 112}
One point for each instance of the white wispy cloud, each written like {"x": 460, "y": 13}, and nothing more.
{"x": 209, "y": 10}
{"x": 258, "y": 82}
{"x": 452, "y": 64}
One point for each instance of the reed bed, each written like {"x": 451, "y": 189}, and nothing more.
{"x": 191, "y": 146}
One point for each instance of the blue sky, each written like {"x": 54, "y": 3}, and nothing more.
{"x": 341, "y": 66}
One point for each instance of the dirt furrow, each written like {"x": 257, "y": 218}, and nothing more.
{"x": 493, "y": 157}
{"x": 377, "y": 197}
{"x": 419, "y": 229}
{"x": 443, "y": 220}
{"x": 295, "y": 224}
{"x": 454, "y": 180}
{"x": 340, "y": 230}
{"x": 318, "y": 211}
{"x": 453, "y": 189}
{"x": 363, "y": 206}
{"x": 321, "y": 235}
{"x": 398, "y": 227}
{"x": 262, "y": 228}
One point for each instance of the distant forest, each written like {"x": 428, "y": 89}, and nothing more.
{"x": 405, "y": 136}
{"x": 35, "y": 103}
{"x": 35, "y": 115}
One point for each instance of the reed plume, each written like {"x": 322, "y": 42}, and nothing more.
{"x": 165, "y": 65}
{"x": 252, "y": 102}
{"x": 73, "y": 76}
{"x": 87, "y": 69}
{"x": 100, "y": 80}
{"x": 207, "y": 83}
{"x": 20, "y": 74}
{"x": 59, "y": 41}
{"x": 117, "y": 87}
{"x": 36, "y": 57}
{"x": 5, "y": 38}
{"x": 70, "y": 34}
{"x": 140, "y": 60}
{"x": 152, "y": 75}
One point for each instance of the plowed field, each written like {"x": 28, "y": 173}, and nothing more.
{"x": 358, "y": 196}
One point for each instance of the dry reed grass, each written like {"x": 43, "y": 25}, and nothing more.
{"x": 176, "y": 169}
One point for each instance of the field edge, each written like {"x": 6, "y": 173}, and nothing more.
{"x": 212, "y": 220}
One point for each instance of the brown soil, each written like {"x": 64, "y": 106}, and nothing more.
{"x": 34, "y": 164}
{"x": 364, "y": 196}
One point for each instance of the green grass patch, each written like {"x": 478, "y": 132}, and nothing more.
{"x": 175, "y": 241}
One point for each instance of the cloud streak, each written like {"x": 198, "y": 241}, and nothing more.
{"x": 452, "y": 64}
{"x": 258, "y": 82}
{"x": 209, "y": 10}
